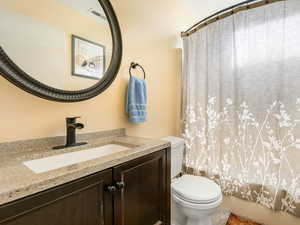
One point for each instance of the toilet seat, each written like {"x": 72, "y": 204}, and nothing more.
{"x": 197, "y": 206}
{"x": 196, "y": 190}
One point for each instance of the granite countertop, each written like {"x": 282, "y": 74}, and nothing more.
{"x": 18, "y": 181}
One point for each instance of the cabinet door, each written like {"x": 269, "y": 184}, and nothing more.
{"x": 145, "y": 197}
{"x": 81, "y": 202}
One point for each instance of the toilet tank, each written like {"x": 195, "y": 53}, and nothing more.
{"x": 177, "y": 151}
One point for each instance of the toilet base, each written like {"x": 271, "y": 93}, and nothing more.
{"x": 194, "y": 215}
{"x": 203, "y": 221}
{"x": 197, "y": 214}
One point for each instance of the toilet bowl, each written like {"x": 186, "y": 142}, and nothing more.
{"x": 197, "y": 198}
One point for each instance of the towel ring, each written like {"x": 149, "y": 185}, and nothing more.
{"x": 134, "y": 65}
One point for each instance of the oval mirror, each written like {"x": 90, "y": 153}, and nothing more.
{"x": 61, "y": 50}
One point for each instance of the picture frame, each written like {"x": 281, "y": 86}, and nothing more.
{"x": 88, "y": 58}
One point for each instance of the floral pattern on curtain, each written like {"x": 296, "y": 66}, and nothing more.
{"x": 241, "y": 104}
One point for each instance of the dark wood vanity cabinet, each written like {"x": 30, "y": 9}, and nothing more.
{"x": 134, "y": 193}
{"x": 143, "y": 198}
{"x": 81, "y": 202}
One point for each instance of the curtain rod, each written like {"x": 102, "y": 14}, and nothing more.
{"x": 225, "y": 13}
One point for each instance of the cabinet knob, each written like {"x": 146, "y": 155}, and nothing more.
{"x": 111, "y": 189}
{"x": 158, "y": 223}
{"x": 120, "y": 185}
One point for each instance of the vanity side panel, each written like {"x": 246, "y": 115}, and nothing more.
{"x": 168, "y": 187}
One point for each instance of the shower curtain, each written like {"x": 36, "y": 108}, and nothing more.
{"x": 241, "y": 104}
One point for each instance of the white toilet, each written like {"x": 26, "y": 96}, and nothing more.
{"x": 197, "y": 198}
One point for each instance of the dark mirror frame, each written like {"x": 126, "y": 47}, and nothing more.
{"x": 21, "y": 79}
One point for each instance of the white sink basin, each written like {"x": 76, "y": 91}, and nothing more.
{"x": 67, "y": 159}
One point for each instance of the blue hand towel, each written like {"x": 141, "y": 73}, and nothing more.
{"x": 136, "y": 106}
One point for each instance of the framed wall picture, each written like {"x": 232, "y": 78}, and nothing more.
{"x": 88, "y": 58}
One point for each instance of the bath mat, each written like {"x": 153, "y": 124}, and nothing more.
{"x": 236, "y": 220}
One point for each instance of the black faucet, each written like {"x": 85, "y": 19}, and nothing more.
{"x": 71, "y": 133}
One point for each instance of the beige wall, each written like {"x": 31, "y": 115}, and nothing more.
{"x": 24, "y": 116}
{"x": 150, "y": 31}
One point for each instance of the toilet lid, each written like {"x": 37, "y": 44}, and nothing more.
{"x": 196, "y": 189}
